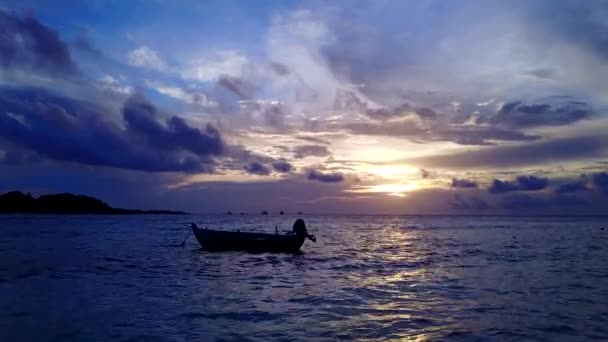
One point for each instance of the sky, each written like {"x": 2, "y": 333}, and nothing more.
{"x": 368, "y": 107}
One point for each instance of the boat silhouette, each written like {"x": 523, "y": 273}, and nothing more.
{"x": 218, "y": 240}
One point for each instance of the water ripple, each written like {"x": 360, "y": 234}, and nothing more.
{"x": 367, "y": 278}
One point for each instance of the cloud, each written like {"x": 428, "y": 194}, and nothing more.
{"x": 600, "y": 182}
{"x": 349, "y": 101}
{"x": 282, "y": 166}
{"x": 463, "y": 183}
{"x": 315, "y": 139}
{"x": 237, "y": 86}
{"x": 522, "y": 183}
{"x": 479, "y": 135}
{"x": 523, "y": 202}
{"x": 559, "y": 150}
{"x": 535, "y": 204}
{"x": 221, "y": 63}
{"x": 346, "y": 100}
{"x": 83, "y": 43}
{"x": 472, "y": 204}
{"x": 532, "y": 183}
{"x": 112, "y": 84}
{"x": 542, "y": 73}
{"x": 65, "y": 129}
{"x": 425, "y": 173}
{"x": 303, "y": 151}
{"x": 279, "y": 69}
{"x": 145, "y": 57}
{"x": 423, "y": 113}
{"x": 565, "y": 188}
{"x": 190, "y": 96}
{"x": 325, "y": 177}
{"x": 460, "y": 134}
{"x": 499, "y": 186}
{"x": 27, "y": 43}
{"x": 520, "y": 115}
{"x": 268, "y": 112}
{"x": 257, "y": 168}
{"x": 142, "y": 121}
{"x": 579, "y": 25}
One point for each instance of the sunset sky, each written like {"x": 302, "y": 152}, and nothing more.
{"x": 397, "y": 107}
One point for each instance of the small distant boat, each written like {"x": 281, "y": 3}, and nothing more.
{"x": 217, "y": 240}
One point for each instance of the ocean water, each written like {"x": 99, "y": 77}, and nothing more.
{"x": 373, "y": 278}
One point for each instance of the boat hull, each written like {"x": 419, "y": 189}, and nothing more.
{"x": 217, "y": 241}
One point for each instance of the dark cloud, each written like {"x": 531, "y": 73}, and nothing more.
{"x": 304, "y": 151}
{"x": 518, "y": 114}
{"x": 348, "y": 100}
{"x": 27, "y": 43}
{"x": 282, "y": 148}
{"x": 523, "y": 202}
{"x": 534, "y": 204}
{"x": 238, "y": 86}
{"x": 543, "y": 73}
{"x": 257, "y": 168}
{"x": 142, "y": 121}
{"x": 314, "y": 139}
{"x": 532, "y": 183}
{"x": 499, "y": 186}
{"x": 237, "y": 155}
{"x": 521, "y": 183}
{"x": 279, "y": 68}
{"x": 600, "y": 182}
{"x": 282, "y": 166}
{"x": 569, "y": 201}
{"x": 463, "y": 183}
{"x": 560, "y": 150}
{"x": 65, "y": 129}
{"x": 325, "y": 177}
{"x": 425, "y": 173}
{"x": 382, "y": 113}
{"x": 423, "y": 113}
{"x": 580, "y": 185}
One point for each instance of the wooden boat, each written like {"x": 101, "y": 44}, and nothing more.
{"x": 217, "y": 240}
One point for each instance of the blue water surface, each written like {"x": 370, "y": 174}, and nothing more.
{"x": 122, "y": 278}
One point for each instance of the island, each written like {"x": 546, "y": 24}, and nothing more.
{"x": 16, "y": 202}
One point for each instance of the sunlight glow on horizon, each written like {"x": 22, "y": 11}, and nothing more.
{"x": 394, "y": 189}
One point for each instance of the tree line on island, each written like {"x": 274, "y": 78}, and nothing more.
{"x": 16, "y": 202}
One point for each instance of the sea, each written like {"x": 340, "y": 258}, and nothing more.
{"x": 368, "y": 278}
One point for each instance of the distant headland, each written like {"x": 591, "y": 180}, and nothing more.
{"x": 16, "y": 202}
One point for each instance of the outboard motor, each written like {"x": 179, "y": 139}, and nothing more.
{"x": 299, "y": 227}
